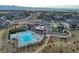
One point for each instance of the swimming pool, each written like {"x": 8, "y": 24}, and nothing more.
{"x": 26, "y": 37}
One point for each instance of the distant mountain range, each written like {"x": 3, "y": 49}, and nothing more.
{"x": 12, "y": 7}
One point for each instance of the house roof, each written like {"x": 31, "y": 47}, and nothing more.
{"x": 72, "y": 21}
{"x": 40, "y": 27}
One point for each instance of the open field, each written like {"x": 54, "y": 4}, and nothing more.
{"x": 58, "y": 45}
{"x": 1, "y": 38}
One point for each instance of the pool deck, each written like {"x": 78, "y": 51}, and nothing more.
{"x": 33, "y": 38}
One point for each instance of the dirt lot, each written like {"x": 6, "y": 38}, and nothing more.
{"x": 60, "y": 45}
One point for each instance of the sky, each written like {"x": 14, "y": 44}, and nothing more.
{"x": 39, "y": 3}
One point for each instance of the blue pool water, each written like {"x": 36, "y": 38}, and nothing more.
{"x": 25, "y": 38}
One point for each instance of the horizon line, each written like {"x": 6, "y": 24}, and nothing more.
{"x": 54, "y": 6}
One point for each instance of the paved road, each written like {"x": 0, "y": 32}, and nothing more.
{"x": 63, "y": 36}
{"x": 30, "y": 19}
